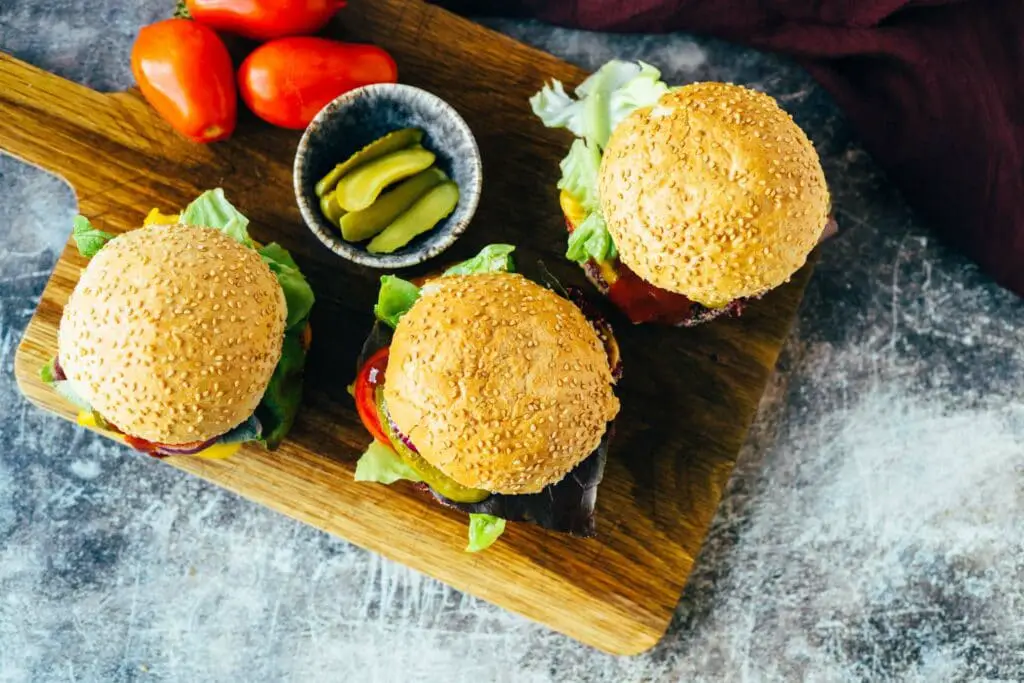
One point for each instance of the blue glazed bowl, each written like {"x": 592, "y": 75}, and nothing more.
{"x": 357, "y": 118}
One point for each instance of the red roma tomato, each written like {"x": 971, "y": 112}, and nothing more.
{"x": 264, "y": 19}
{"x": 185, "y": 73}
{"x": 370, "y": 376}
{"x": 287, "y": 81}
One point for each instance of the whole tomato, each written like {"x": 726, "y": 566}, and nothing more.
{"x": 265, "y": 19}
{"x": 186, "y": 74}
{"x": 287, "y": 81}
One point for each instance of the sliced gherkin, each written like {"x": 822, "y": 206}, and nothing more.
{"x": 362, "y": 225}
{"x": 427, "y": 212}
{"x": 392, "y": 142}
{"x": 360, "y": 188}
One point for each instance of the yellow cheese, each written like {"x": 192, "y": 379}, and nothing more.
{"x": 573, "y": 210}
{"x": 219, "y": 451}
{"x": 154, "y": 217}
{"x": 87, "y": 418}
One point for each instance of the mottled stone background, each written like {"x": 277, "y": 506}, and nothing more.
{"x": 874, "y": 528}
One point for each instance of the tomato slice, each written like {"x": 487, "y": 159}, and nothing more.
{"x": 643, "y": 302}
{"x": 370, "y": 376}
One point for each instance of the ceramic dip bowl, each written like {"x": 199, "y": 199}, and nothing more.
{"x": 363, "y": 115}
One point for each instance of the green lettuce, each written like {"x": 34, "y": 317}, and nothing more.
{"x": 48, "y": 372}
{"x": 397, "y": 296}
{"x": 297, "y": 292}
{"x": 88, "y": 239}
{"x": 382, "y": 465}
{"x": 484, "y": 530}
{"x": 280, "y": 404}
{"x": 591, "y": 240}
{"x": 494, "y": 258}
{"x": 66, "y": 391}
{"x": 579, "y": 173}
{"x": 213, "y": 210}
{"x": 602, "y": 101}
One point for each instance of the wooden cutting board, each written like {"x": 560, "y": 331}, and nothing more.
{"x": 688, "y": 396}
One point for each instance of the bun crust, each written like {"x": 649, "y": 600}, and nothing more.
{"x": 502, "y": 384}
{"x": 173, "y": 332}
{"x": 714, "y": 193}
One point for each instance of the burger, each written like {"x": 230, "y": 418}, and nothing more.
{"x": 184, "y": 337}
{"x": 493, "y": 393}
{"x": 683, "y": 204}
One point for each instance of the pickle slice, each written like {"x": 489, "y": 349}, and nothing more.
{"x": 330, "y": 208}
{"x": 435, "y": 478}
{"x": 360, "y": 188}
{"x": 428, "y": 210}
{"x": 392, "y": 142}
{"x": 362, "y": 225}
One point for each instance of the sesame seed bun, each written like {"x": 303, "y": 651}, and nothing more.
{"x": 172, "y": 333}
{"x": 500, "y": 383}
{"x": 714, "y": 193}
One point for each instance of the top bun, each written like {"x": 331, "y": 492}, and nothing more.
{"x": 500, "y": 383}
{"x": 714, "y": 193}
{"x": 172, "y": 333}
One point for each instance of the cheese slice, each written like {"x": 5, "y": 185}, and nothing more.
{"x": 154, "y": 217}
{"x": 573, "y": 210}
{"x": 218, "y": 451}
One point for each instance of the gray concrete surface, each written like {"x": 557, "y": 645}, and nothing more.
{"x": 874, "y": 529}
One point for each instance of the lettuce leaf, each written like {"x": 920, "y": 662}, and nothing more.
{"x": 280, "y": 404}
{"x": 88, "y": 239}
{"x": 397, "y": 296}
{"x": 382, "y": 465}
{"x": 579, "y": 173}
{"x": 213, "y": 210}
{"x": 602, "y": 101}
{"x": 609, "y": 95}
{"x": 494, "y": 258}
{"x": 591, "y": 240}
{"x": 557, "y": 109}
{"x": 484, "y": 530}
{"x": 66, "y": 390}
{"x": 395, "y": 299}
{"x": 48, "y": 372}
{"x": 297, "y": 292}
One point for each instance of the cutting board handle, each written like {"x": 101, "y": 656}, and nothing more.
{"x": 47, "y": 120}
{"x": 104, "y": 145}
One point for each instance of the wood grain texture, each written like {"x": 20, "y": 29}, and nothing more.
{"x": 688, "y": 396}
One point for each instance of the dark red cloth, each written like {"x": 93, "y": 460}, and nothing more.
{"x": 935, "y": 89}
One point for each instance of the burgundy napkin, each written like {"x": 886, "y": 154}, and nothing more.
{"x": 935, "y": 89}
